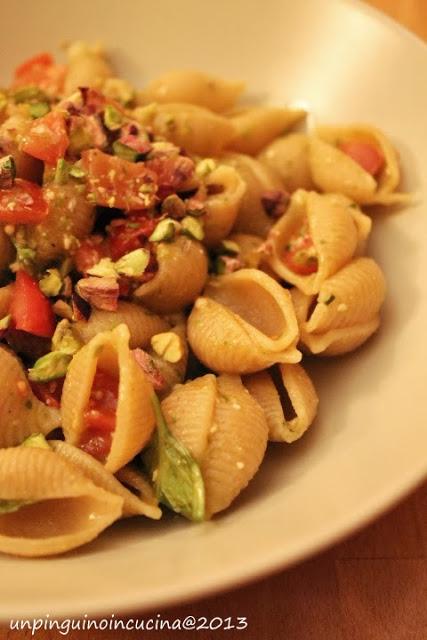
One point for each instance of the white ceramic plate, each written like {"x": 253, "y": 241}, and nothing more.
{"x": 369, "y": 445}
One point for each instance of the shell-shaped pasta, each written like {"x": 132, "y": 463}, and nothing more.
{"x": 87, "y": 67}
{"x": 109, "y": 351}
{"x": 243, "y": 323}
{"x": 142, "y": 324}
{"x": 70, "y": 218}
{"x": 249, "y": 248}
{"x": 389, "y": 177}
{"x": 225, "y": 430}
{"x": 96, "y": 473}
{"x": 288, "y": 156}
{"x": 256, "y": 127}
{"x": 132, "y": 477}
{"x": 252, "y": 217}
{"x": 332, "y": 229}
{"x": 195, "y": 129}
{"x": 193, "y": 87}
{"x": 181, "y": 275}
{"x": 5, "y": 299}
{"x": 21, "y": 413}
{"x": 7, "y": 251}
{"x": 346, "y": 312}
{"x": 222, "y": 208}
{"x": 288, "y": 399}
{"x": 65, "y": 509}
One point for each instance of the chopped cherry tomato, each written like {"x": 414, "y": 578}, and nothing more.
{"x": 129, "y": 234}
{"x": 49, "y": 392}
{"x": 41, "y": 71}
{"x": 47, "y": 138}
{"x": 100, "y": 415}
{"x": 114, "y": 182}
{"x": 366, "y": 155}
{"x": 90, "y": 252}
{"x": 31, "y": 311}
{"x": 300, "y": 254}
{"x": 23, "y": 203}
{"x": 173, "y": 173}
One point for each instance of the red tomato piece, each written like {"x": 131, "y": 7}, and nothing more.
{"x": 31, "y": 311}
{"x": 96, "y": 443}
{"x": 23, "y": 203}
{"x": 366, "y": 155}
{"x": 299, "y": 255}
{"x": 41, "y": 70}
{"x": 129, "y": 234}
{"x": 90, "y": 252}
{"x": 114, "y": 182}
{"x": 100, "y": 415}
{"x": 47, "y": 138}
{"x": 49, "y": 392}
{"x": 173, "y": 173}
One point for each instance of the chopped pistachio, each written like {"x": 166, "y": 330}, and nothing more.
{"x": 61, "y": 171}
{"x": 113, "y": 119}
{"x": 36, "y": 441}
{"x": 220, "y": 266}
{"x": 49, "y": 367}
{"x": 9, "y": 506}
{"x": 24, "y": 254}
{"x": 164, "y": 231}
{"x": 105, "y": 268}
{"x": 205, "y": 167}
{"x": 64, "y": 340}
{"x": 7, "y": 172}
{"x": 192, "y": 227}
{"x": 126, "y": 153}
{"x": 38, "y": 109}
{"x": 133, "y": 264}
{"x": 77, "y": 172}
{"x": 168, "y": 346}
{"x": 229, "y": 248}
{"x": 5, "y": 322}
{"x": 51, "y": 283}
{"x": 30, "y": 93}
{"x": 173, "y": 206}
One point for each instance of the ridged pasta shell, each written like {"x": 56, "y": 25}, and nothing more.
{"x": 96, "y": 473}
{"x": 21, "y": 413}
{"x": 388, "y": 180}
{"x": 222, "y": 208}
{"x": 249, "y": 248}
{"x": 67, "y": 509}
{"x": 332, "y": 228}
{"x": 134, "y": 417}
{"x": 5, "y": 299}
{"x": 224, "y": 429}
{"x": 346, "y": 312}
{"x": 142, "y": 324}
{"x": 252, "y": 217}
{"x": 192, "y": 87}
{"x": 132, "y": 477}
{"x": 288, "y": 156}
{"x": 288, "y": 399}
{"x": 7, "y": 251}
{"x": 181, "y": 276}
{"x": 87, "y": 67}
{"x": 244, "y": 322}
{"x": 195, "y": 129}
{"x": 256, "y": 127}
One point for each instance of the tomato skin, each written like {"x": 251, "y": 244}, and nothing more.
{"x": 297, "y": 257}
{"x": 49, "y": 392}
{"x": 90, "y": 252}
{"x": 129, "y": 234}
{"x": 366, "y": 155}
{"x": 30, "y": 309}
{"x": 47, "y": 138}
{"x": 41, "y": 70}
{"x": 96, "y": 443}
{"x": 23, "y": 203}
{"x": 100, "y": 415}
{"x": 114, "y": 182}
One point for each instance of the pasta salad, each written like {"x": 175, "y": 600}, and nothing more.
{"x": 167, "y": 257}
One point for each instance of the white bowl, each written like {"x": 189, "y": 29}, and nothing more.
{"x": 368, "y": 447}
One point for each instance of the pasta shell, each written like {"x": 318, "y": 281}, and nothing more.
{"x": 134, "y": 416}
{"x": 142, "y": 324}
{"x": 96, "y": 473}
{"x": 388, "y": 180}
{"x": 5, "y": 299}
{"x": 132, "y": 477}
{"x": 192, "y": 87}
{"x": 65, "y": 509}
{"x": 333, "y": 231}
{"x": 224, "y": 429}
{"x": 87, "y": 67}
{"x": 256, "y": 127}
{"x": 172, "y": 288}
{"x": 288, "y": 156}
{"x": 7, "y": 252}
{"x": 346, "y": 312}
{"x": 21, "y": 413}
{"x": 221, "y": 209}
{"x": 194, "y": 128}
{"x": 249, "y": 249}
{"x": 252, "y": 217}
{"x": 288, "y": 399}
{"x": 245, "y": 322}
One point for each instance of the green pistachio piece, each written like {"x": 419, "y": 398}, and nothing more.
{"x": 173, "y": 206}
{"x": 192, "y": 227}
{"x": 105, "y": 268}
{"x": 133, "y": 264}
{"x": 205, "y": 167}
{"x": 77, "y": 172}
{"x": 64, "y": 340}
{"x": 164, "y": 232}
{"x": 113, "y": 119}
{"x": 126, "y": 153}
{"x": 51, "y": 283}
{"x": 9, "y": 506}
{"x": 38, "y": 109}
{"x": 30, "y": 93}
{"x": 219, "y": 266}
{"x": 49, "y": 367}
{"x": 229, "y": 248}
{"x": 5, "y": 322}
{"x": 36, "y": 440}
{"x": 61, "y": 171}
{"x": 7, "y": 172}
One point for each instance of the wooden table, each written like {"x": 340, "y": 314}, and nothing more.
{"x": 371, "y": 587}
